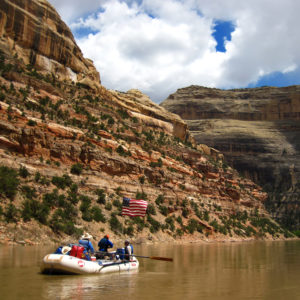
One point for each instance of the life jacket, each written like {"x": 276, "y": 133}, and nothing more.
{"x": 126, "y": 250}
{"x": 85, "y": 244}
{"x": 77, "y": 251}
{"x": 103, "y": 245}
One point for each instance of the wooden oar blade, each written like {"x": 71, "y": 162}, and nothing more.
{"x": 161, "y": 258}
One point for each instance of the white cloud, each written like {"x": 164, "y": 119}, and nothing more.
{"x": 159, "y": 46}
{"x": 70, "y": 10}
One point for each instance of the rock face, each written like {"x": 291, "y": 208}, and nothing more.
{"x": 149, "y": 113}
{"x": 70, "y": 152}
{"x": 33, "y": 31}
{"x": 258, "y": 130}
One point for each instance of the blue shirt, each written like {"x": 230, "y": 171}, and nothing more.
{"x": 87, "y": 245}
{"x": 104, "y": 244}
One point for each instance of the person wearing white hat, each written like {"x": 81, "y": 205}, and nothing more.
{"x": 87, "y": 244}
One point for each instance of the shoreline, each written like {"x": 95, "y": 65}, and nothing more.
{"x": 144, "y": 241}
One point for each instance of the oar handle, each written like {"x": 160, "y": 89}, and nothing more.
{"x": 140, "y": 256}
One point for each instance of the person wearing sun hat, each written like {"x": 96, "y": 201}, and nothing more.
{"x": 87, "y": 244}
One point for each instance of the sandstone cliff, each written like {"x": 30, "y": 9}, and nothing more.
{"x": 258, "y": 130}
{"x": 70, "y": 150}
{"x": 33, "y": 32}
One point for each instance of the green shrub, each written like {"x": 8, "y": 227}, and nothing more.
{"x": 70, "y": 211}
{"x": 179, "y": 232}
{"x": 123, "y": 113}
{"x": 72, "y": 194}
{"x": 57, "y": 221}
{"x": 37, "y": 176}
{"x": 108, "y": 206}
{"x": 129, "y": 230}
{"x": 214, "y": 224}
{"x": 70, "y": 229}
{"x": 123, "y": 152}
{"x": 76, "y": 169}
{"x": 51, "y": 199}
{"x": 250, "y": 231}
{"x": 101, "y": 196}
{"x": 31, "y": 123}
{"x": 142, "y": 179}
{"x": 140, "y": 195}
{"x": 85, "y": 203}
{"x": 31, "y": 209}
{"x": 87, "y": 215}
{"x": 62, "y": 182}
{"x": 117, "y": 203}
{"x": 43, "y": 214}
{"x": 139, "y": 222}
{"x": 206, "y": 216}
{"x": 97, "y": 214}
{"x": 159, "y": 200}
{"x": 185, "y": 212}
{"x": 192, "y": 226}
{"x": 74, "y": 188}
{"x": 29, "y": 192}
{"x": 8, "y": 182}
{"x": 163, "y": 210}
{"x": 23, "y": 172}
{"x": 11, "y": 213}
{"x": 111, "y": 121}
{"x": 297, "y": 233}
{"x": 151, "y": 209}
{"x": 115, "y": 224}
{"x": 170, "y": 223}
{"x": 155, "y": 225}
{"x": 179, "y": 220}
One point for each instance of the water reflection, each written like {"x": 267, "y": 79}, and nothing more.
{"x": 89, "y": 286}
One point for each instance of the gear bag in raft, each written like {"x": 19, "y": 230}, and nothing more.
{"x": 77, "y": 251}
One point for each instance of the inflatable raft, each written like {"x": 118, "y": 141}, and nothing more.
{"x": 66, "y": 264}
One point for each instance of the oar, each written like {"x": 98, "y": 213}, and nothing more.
{"x": 155, "y": 257}
{"x": 141, "y": 256}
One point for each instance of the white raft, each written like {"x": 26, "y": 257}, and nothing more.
{"x": 66, "y": 264}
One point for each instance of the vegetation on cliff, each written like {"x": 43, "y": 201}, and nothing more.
{"x": 75, "y": 133}
{"x": 70, "y": 150}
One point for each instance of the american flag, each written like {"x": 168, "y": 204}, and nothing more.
{"x": 134, "y": 208}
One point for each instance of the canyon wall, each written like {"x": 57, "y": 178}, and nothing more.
{"x": 70, "y": 150}
{"x": 258, "y": 130}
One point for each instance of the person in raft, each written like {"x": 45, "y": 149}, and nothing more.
{"x": 128, "y": 250}
{"x": 104, "y": 244}
{"x": 87, "y": 244}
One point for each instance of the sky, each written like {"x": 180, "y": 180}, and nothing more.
{"x": 159, "y": 46}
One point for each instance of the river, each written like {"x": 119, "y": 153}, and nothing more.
{"x": 249, "y": 270}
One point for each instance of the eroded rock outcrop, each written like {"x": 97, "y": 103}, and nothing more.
{"x": 151, "y": 114}
{"x": 257, "y": 129}
{"x": 34, "y": 32}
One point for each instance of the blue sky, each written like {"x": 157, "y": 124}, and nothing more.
{"x": 222, "y": 33}
{"x": 159, "y": 46}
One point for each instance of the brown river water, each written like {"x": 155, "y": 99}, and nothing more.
{"x": 249, "y": 270}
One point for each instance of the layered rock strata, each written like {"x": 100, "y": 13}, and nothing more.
{"x": 69, "y": 152}
{"x": 257, "y": 129}
{"x": 33, "y": 32}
